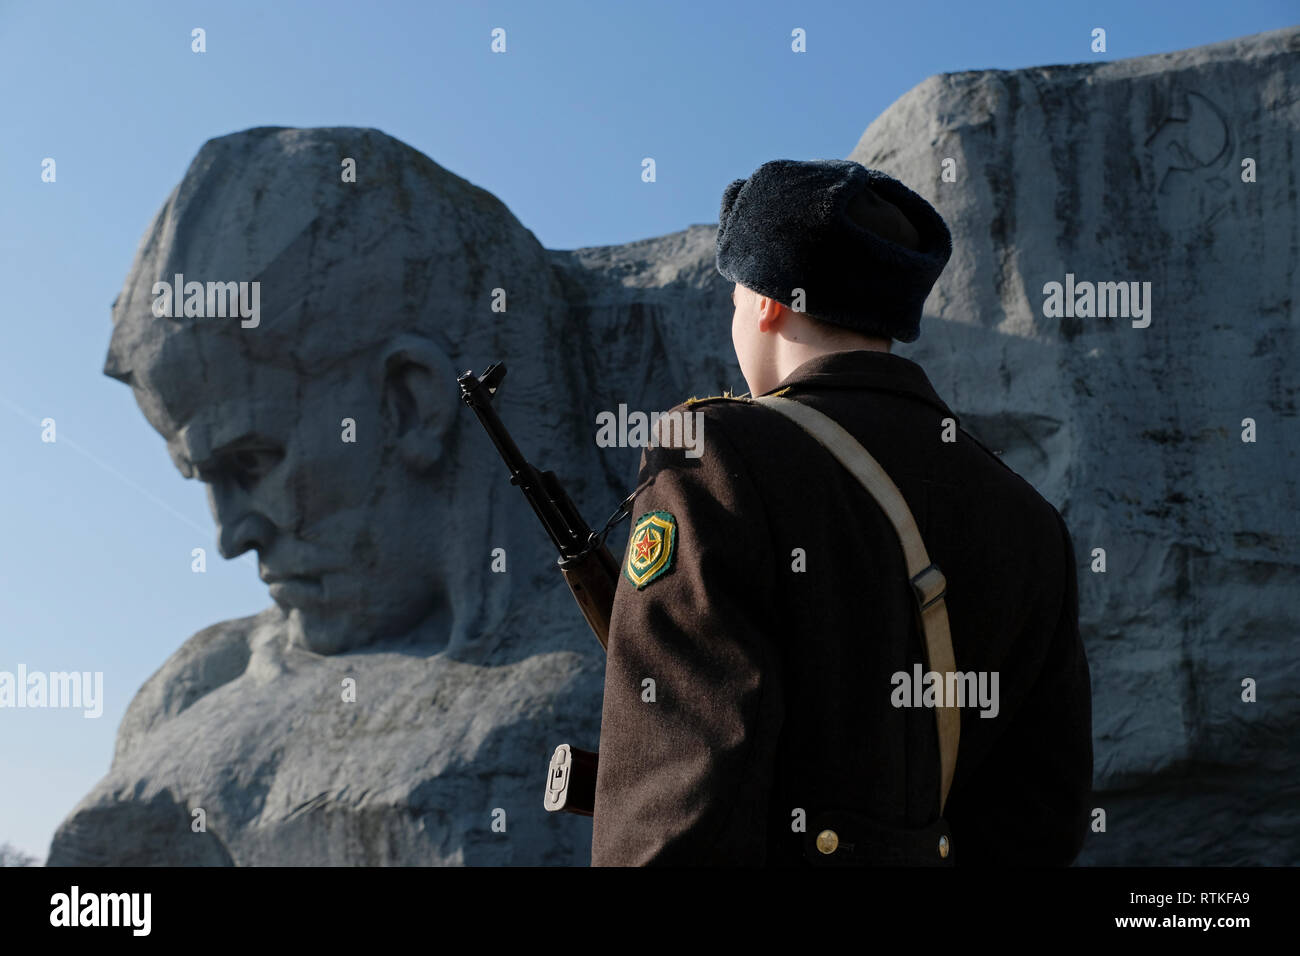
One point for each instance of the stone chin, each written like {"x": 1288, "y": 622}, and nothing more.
{"x": 320, "y": 635}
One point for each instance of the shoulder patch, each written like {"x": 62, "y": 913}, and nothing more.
{"x": 650, "y": 548}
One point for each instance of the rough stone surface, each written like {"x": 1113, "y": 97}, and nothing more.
{"x": 1121, "y": 171}
{"x": 1131, "y": 170}
{"x": 374, "y": 295}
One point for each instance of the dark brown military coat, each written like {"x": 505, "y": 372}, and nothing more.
{"x": 772, "y": 619}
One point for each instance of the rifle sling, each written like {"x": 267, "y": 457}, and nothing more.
{"x": 928, "y": 584}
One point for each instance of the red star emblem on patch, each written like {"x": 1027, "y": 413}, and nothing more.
{"x": 645, "y": 545}
{"x": 650, "y": 548}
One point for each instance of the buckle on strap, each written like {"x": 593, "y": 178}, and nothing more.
{"x": 929, "y": 586}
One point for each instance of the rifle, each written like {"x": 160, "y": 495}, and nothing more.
{"x": 588, "y": 568}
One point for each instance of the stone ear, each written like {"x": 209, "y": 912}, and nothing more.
{"x": 420, "y": 397}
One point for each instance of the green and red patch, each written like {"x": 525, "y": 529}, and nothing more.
{"x": 650, "y": 548}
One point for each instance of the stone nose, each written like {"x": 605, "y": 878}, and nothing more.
{"x": 240, "y": 526}
{"x": 250, "y": 532}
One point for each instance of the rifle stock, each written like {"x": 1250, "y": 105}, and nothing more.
{"x": 592, "y": 578}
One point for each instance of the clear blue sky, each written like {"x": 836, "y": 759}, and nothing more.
{"x": 96, "y": 530}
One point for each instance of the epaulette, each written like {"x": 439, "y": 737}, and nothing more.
{"x": 731, "y": 398}
{"x": 725, "y": 396}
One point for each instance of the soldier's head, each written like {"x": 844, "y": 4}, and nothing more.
{"x": 825, "y": 255}
{"x": 320, "y": 416}
{"x": 771, "y": 339}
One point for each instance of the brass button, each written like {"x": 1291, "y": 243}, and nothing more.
{"x": 828, "y": 841}
{"x": 943, "y": 847}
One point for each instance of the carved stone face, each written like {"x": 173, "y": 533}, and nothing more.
{"x": 344, "y": 527}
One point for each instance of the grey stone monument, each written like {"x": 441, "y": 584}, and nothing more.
{"x": 398, "y": 702}
{"x": 1127, "y": 409}
{"x": 1178, "y": 171}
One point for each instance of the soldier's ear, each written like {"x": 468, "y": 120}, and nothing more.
{"x": 420, "y": 398}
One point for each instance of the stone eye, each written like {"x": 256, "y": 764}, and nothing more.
{"x": 249, "y": 465}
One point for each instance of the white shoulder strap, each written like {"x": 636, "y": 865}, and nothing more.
{"x": 928, "y": 584}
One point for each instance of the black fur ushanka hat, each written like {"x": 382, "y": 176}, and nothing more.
{"x": 790, "y": 226}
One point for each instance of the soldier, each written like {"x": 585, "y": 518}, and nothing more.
{"x": 765, "y": 696}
